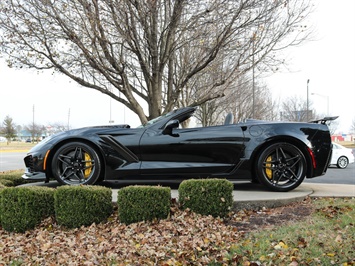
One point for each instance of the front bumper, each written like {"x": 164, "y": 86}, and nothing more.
{"x": 33, "y": 169}
{"x": 39, "y": 176}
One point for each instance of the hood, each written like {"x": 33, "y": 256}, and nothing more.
{"x": 94, "y": 129}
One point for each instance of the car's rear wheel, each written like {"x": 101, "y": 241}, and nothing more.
{"x": 342, "y": 162}
{"x": 281, "y": 167}
{"x": 76, "y": 163}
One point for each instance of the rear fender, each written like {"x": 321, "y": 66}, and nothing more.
{"x": 299, "y": 144}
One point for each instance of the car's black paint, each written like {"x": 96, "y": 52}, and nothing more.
{"x": 161, "y": 150}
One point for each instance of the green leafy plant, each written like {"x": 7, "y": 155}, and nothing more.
{"x": 22, "y": 208}
{"x": 82, "y": 205}
{"x": 143, "y": 203}
{"x": 207, "y": 196}
{"x": 12, "y": 178}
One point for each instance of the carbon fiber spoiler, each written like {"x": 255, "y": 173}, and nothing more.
{"x": 324, "y": 120}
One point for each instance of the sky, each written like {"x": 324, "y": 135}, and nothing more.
{"x": 328, "y": 62}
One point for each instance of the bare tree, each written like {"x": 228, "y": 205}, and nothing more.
{"x": 238, "y": 101}
{"x": 295, "y": 109}
{"x": 148, "y": 54}
{"x": 37, "y": 131}
{"x": 333, "y": 126}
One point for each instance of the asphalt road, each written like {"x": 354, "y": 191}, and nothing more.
{"x": 334, "y": 175}
{"x": 12, "y": 161}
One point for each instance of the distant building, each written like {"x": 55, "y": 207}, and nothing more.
{"x": 24, "y": 135}
{"x": 343, "y": 137}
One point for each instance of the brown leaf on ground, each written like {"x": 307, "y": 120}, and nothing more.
{"x": 185, "y": 238}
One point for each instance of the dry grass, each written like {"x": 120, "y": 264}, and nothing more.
{"x": 16, "y": 146}
{"x": 348, "y": 144}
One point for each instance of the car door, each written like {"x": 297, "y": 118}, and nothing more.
{"x": 336, "y": 153}
{"x": 199, "y": 151}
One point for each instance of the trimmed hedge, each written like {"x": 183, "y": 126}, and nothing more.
{"x": 12, "y": 178}
{"x": 22, "y": 208}
{"x": 207, "y": 196}
{"x": 76, "y": 206}
{"x": 143, "y": 203}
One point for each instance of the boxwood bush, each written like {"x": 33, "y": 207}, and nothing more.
{"x": 206, "y": 196}
{"x": 22, "y": 208}
{"x": 12, "y": 178}
{"x": 76, "y": 206}
{"x": 143, "y": 203}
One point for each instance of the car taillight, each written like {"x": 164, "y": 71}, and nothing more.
{"x": 314, "y": 163}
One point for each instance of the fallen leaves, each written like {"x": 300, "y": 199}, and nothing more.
{"x": 185, "y": 238}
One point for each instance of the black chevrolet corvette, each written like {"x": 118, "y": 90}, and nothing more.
{"x": 277, "y": 154}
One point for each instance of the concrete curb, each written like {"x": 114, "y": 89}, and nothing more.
{"x": 254, "y": 197}
{"x": 330, "y": 190}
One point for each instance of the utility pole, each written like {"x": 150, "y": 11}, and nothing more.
{"x": 33, "y": 123}
{"x": 33, "y": 116}
{"x": 307, "y": 111}
{"x": 68, "y": 119}
{"x": 253, "y": 74}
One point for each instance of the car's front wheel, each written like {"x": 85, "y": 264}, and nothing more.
{"x": 76, "y": 163}
{"x": 342, "y": 162}
{"x": 281, "y": 167}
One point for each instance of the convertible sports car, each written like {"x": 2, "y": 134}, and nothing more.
{"x": 277, "y": 154}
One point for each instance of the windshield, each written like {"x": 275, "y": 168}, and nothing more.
{"x": 157, "y": 119}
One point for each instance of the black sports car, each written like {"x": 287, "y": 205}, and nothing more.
{"x": 277, "y": 154}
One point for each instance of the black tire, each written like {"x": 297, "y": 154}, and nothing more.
{"x": 76, "y": 163}
{"x": 281, "y": 167}
{"x": 342, "y": 162}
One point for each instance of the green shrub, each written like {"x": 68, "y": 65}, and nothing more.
{"x": 6, "y": 183}
{"x": 22, "y": 208}
{"x": 143, "y": 203}
{"x": 82, "y": 205}
{"x": 12, "y": 178}
{"x": 207, "y": 196}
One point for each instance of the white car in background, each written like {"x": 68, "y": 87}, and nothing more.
{"x": 341, "y": 156}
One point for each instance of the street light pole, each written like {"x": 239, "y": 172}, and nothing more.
{"x": 307, "y": 115}
{"x": 110, "y": 121}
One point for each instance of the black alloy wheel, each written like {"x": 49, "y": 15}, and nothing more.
{"x": 281, "y": 167}
{"x": 76, "y": 163}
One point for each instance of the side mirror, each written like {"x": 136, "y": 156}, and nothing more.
{"x": 168, "y": 129}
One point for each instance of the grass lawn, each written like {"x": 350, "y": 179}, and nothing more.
{"x": 16, "y": 146}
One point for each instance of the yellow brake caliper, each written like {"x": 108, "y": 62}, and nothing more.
{"x": 268, "y": 171}
{"x": 88, "y": 165}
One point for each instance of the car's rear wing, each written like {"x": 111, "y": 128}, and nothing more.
{"x": 324, "y": 120}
